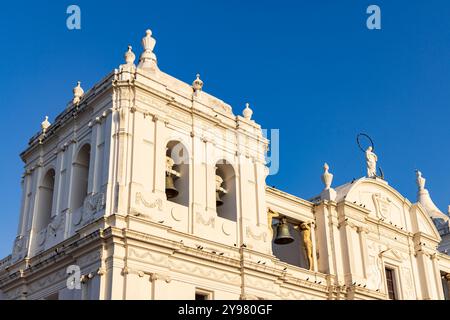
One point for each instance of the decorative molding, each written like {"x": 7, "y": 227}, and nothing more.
{"x": 92, "y": 204}
{"x": 206, "y": 222}
{"x": 101, "y": 271}
{"x": 148, "y": 256}
{"x": 139, "y": 199}
{"x": 19, "y": 244}
{"x": 226, "y": 228}
{"x": 42, "y": 236}
{"x": 209, "y": 273}
{"x": 158, "y": 276}
{"x": 382, "y": 205}
{"x": 57, "y": 224}
{"x": 262, "y": 236}
{"x": 176, "y": 214}
{"x": 409, "y": 292}
{"x": 374, "y": 275}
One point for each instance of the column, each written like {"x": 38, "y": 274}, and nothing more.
{"x": 24, "y": 204}
{"x": 96, "y": 158}
{"x": 210, "y": 190}
{"x": 362, "y": 242}
{"x": 159, "y": 182}
{"x": 437, "y": 277}
{"x": 59, "y": 181}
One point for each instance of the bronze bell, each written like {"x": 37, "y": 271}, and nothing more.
{"x": 219, "y": 202}
{"x": 283, "y": 234}
{"x": 171, "y": 191}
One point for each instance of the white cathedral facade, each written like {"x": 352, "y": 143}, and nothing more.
{"x": 153, "y": 189}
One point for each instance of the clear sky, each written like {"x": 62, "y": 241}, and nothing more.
{"x": 310, "y": 68}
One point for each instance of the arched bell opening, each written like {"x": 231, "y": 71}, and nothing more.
{"x": 225, "y": 185}
{"x": 80, "y": 177}
{"x": 177, "y": 173}
{"x": 290, "y": 242}
{"x": 45, "y": 205}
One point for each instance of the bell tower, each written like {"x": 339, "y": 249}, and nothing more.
{"x": 184, "y": 159}
{"x": 144, "y": 156}
{"x": 142, "y": 144}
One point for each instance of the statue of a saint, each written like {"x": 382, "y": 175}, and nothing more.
{"x": 307, "y": 241}
{"x": 371, "y": 160}
{"x": 420, "y": 180}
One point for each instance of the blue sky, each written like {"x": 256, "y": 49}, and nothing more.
{"x": 309, "y": 68}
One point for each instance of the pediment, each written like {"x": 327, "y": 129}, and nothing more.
{"x": 386, "y": 204}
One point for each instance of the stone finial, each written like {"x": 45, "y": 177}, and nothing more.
{"x": 130, "y": 56}
{"x": 327, "y": 177}
{"x": 45, "y": 124}
{"x": 148, "y": 58}
{"x": 420, "y": 180}
{"x": 78, "y": 93}
{"x": 247, "y": 113}
{"x": 197, "y": 85}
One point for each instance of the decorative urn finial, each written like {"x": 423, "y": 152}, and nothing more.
{"x": 327, "y": 177}
{"x": 420, "y": 180}
{"x": 197, "y": 85}
{"x": 247, "y": 113}
{"x": 130, "y": 56}
{"x": 78, "y": 93}
{"x": 148, "y": 57}
{"x": 45, "y": 124}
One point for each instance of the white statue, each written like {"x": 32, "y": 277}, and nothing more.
{"x": 371, "y": 160}
{"x": 327, "y": 177}
{"x": 420, "y": 180}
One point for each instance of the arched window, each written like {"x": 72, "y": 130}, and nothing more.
{"x": 80, "y": 177}
{"x": 177, "y": 173}
{"x": 46, "y": 190}
{"x": 226, "y": 205}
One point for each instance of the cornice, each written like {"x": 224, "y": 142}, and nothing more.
{"x": 70, "y": 113}
{"x": 290, "y": 197}
{"x": 63, "y": 251}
